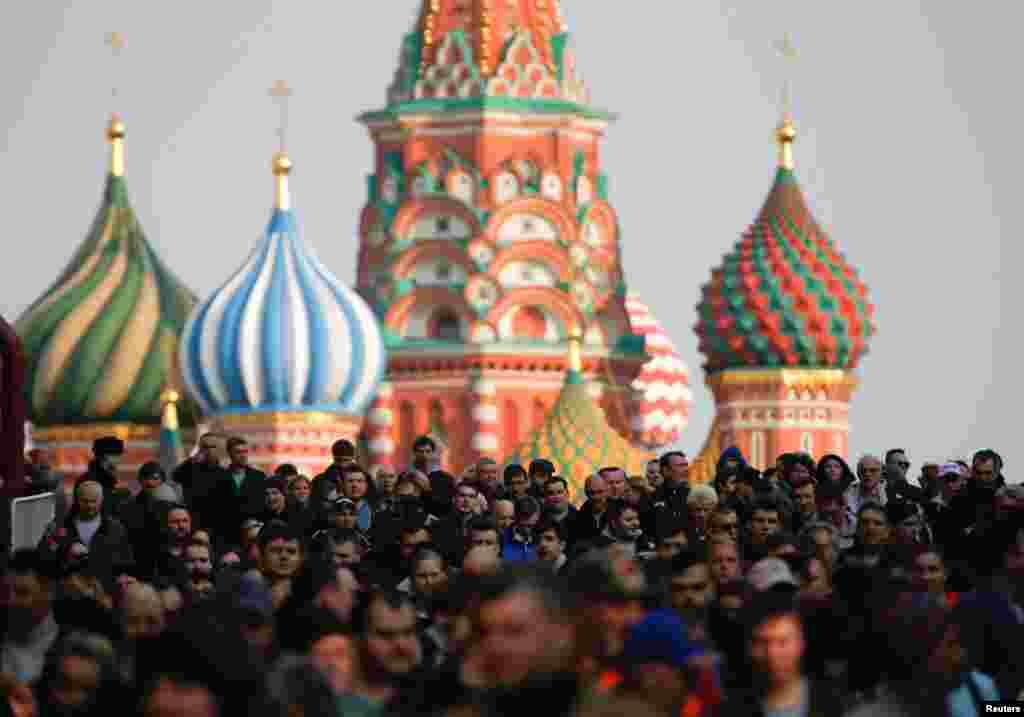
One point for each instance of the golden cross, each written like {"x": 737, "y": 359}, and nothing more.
{"x": 281, "y": 93}
{"x": 790, "y": 55}
{"x": 116, "y": 42}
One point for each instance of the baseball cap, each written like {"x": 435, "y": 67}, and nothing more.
{"x": 948, "y": 469}
{"x": 767, "y": 573}
{"x": 254, "y": 600}
{"x": 660, "y": 638}
{"x": 344, "y": 504}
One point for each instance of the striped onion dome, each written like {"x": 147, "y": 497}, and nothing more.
{"x": 663, "y": 384}
{"x": 101, "y": 342}
{"x": 283, "y": 333}
{"x": 785, "y": 296}
{"x": 576, "y": 435}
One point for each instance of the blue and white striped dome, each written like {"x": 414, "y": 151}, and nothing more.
{"x": 283, "y": 334}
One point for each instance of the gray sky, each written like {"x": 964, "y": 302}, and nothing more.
{"x": 909, "y": 150}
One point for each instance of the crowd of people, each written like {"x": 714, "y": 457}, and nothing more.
{"x": 811, "y": 589}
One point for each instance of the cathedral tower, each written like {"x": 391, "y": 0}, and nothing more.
{"x": 488, "y": 235}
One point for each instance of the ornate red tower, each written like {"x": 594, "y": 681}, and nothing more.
{"x": 488, "y": 235}
{"x": 783, "y": 324}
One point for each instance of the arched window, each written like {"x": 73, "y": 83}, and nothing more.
{"x": 445, "y": 326}
{"x": 530, "y": 323}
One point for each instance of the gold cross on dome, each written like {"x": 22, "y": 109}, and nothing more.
{"x": 115, "y": 41}
{"x": 281, "y": 92}
{"x": 790, "y": 55}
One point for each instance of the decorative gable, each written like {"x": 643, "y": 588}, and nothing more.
{"x": 522, "y": 73}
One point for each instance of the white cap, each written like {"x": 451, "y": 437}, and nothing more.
{"x": 769, "y": 572}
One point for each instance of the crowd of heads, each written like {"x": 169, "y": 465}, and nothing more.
{"x": 806, "y": 588}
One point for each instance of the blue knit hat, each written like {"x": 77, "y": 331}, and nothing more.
{"x": 660, "y": 638}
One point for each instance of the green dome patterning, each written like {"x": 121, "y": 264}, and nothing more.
{"x": 785, "y": 296}
{"x": 101, "y": 343}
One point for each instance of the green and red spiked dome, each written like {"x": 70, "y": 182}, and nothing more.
{"x": 785, "y": 296}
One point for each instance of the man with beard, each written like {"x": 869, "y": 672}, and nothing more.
{"x": 176, "y": 533}
{"x": 28, "y": 590}
{"x": 390, "y": 654}
{"x": 199, "y": 566}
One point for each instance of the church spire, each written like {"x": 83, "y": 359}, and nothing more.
{"x": 786, "y": 132}
{"x": 281, "y": 164}
{"x": 116, "y": 129}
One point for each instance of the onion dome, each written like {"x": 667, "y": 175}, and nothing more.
{"x": 283, "y": 333}
{"x": 663, "y": 384}
{"x": 576, "y": 435}
{"x": 101, "y": 341}
{"x": 785, "y": 296}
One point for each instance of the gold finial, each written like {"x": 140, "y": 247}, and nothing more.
{"x": 281, "y": 165}
{"x": 786, "y": 132}
{"x": 115, "y": 135}
{"x": 115, "y": 130}
{"x": 576, "y": 349}
{"x": 169, "y": 416}
{"x": 785, "y": 135}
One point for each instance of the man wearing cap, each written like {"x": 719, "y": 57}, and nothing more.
{"x": 661, "y": 663}
{"x": 772, "y": 574}
{"x": 107, "y": 452}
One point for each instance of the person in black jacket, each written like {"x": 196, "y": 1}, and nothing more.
{"x": 107, "y": 453}
{"x": 776, "y": 647}
{"x": 591, "y": 519}
{"x": 671, "y": 497}
{"x": 197, "y": 474}
{"x": 87, "y": 523}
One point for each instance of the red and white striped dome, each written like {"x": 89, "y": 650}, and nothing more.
{"x": 663, "y": 395}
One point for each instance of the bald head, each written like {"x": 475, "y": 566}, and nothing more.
{"x": 480, "y": 560}
{"x": 504, "y": 513}
{"x": 597, "y": 492}
{"x": 90, "y": 499}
